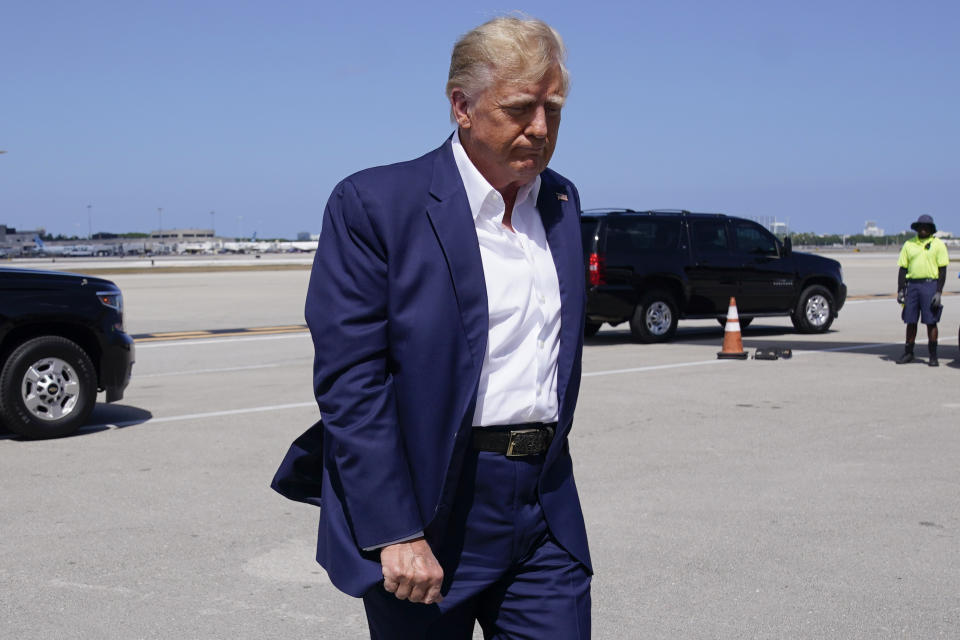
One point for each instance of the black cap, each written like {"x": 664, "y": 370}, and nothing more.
{"x": 927, "y": 220}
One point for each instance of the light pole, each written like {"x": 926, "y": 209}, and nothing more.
{"x": 89, "y": 223}
{"x": 160, "y": 223}
{"x": 213, "y": 223}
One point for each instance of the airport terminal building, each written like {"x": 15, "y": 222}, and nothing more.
{"x": 14, "y": 242}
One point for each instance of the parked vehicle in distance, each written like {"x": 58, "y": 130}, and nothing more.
{"x": 61, "y": 341}
{"x": 652, "y": 268}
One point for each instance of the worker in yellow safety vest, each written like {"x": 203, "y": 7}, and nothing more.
{"x": 923, "y": 272}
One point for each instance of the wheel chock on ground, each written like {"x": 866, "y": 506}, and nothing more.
{"x": 772, "y": 353}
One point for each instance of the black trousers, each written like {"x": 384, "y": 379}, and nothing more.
{"x": 501, "y": 566}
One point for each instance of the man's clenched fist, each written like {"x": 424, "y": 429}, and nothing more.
{"x": 411, "y": 571}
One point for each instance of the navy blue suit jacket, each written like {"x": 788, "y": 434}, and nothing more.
{"x": 397, "y": 308}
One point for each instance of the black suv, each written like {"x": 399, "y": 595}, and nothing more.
{"x": 61, "y": 340}
{"x": 653, "y": 267}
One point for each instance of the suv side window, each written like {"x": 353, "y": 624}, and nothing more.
{"x": 642, "y": 236}
{"x": 709, "y": 236}
{"x": 753, "y": 239}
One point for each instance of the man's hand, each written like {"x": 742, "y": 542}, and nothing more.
{"x": 411, "y": 571}
{"x": 935, "y": 300}
{"x": 902, "y": 296}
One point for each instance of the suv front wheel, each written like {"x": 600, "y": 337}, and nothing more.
{"x": 814, "y": 310}
{"x": 48, "y": 388}
{"x": 655, "y": 317}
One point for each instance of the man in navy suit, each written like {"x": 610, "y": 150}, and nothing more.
{"x": 446, "y": 308}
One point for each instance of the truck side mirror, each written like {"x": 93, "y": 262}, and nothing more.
{"x": 787, "y": 246}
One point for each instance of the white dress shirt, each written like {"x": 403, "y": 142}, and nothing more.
{"x": 518, "y": 381}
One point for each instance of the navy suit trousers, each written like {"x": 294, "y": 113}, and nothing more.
{"x": 502, "y": 568}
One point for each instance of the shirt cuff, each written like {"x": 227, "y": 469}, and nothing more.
{"x": 413, "y": 536}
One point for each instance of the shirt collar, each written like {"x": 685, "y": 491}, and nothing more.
{"x": 479, "y": 191}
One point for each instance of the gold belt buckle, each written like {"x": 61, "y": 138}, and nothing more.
{"x": 513, "y": 441}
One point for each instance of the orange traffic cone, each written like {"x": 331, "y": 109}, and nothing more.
{"x": 732, "y": 342}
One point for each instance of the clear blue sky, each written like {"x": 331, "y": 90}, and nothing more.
{"x": 823, "y": 114}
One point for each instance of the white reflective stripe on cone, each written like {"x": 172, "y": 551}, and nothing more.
{"x": 732, "y": 326}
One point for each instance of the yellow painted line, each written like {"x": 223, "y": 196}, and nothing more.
{"x": 185, "y": 334}
{"x": 290, "y": 330}
{"x": 219, "y": 333}
{"x": 289, "y": 327}
{"x": 161, "y": 338}
{"x": 253, "y": 333}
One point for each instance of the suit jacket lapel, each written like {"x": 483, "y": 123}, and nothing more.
{"x": 449, "y": 213}
{"x": 557, "y": 215}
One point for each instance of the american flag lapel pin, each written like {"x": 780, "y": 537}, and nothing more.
{"x": 562, "y": 196}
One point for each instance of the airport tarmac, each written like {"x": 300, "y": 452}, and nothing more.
{"x": 814, "y": 497}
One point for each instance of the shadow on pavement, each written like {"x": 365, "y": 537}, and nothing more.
{"x": 785, "y": 338}
{"x": 103, "y": 418}
{"x": 621, "y": 334}
{"x": 114, "y": 416}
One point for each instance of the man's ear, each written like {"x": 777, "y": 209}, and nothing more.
{"x": 461, "y": 108}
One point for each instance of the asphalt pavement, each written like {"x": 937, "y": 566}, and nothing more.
{"x": 810, "y": 497}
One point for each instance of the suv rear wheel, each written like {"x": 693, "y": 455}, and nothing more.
{"x": 814, "y": 310}
{"x": 655, "y": 317}
{"x": 48, "y": 388}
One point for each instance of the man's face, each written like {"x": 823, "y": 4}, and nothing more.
{"x": 924, "y": 230}
{"x": 510, "y": 130}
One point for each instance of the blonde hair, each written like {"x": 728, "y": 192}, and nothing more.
{"x": 507, "y": 48}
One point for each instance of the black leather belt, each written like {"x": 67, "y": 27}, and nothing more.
{"x": 514, "y": 440}
{"x": 909, "y": 280}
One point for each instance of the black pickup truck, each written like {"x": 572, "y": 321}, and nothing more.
{"x": 61, "y": 340}
{"x": 651, "y": 268}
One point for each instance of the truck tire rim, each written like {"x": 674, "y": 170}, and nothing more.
{"x": 658, "y": 318}
{"x": 50, "y": 389}
{"x": 818, "y": 310}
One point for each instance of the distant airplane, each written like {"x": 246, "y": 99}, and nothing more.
{"x": 40, "y": 246}
{"x": 80, "y": 250}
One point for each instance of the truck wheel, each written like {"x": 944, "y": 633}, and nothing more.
{"x": 655, "y": 317}
{"x": 48, "y": 388}
{"x": 814, "y": 310}
{"x": 590, "y": 329}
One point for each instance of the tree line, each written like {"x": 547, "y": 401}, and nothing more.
{"x": 821, "y": 240}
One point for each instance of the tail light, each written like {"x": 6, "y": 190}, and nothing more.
{"x": 597, "y": 269}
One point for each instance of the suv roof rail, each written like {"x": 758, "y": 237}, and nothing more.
{"x": 684, "y": 212}
{"x": 610, "y": 210}
{"x": 681, "y": 212}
